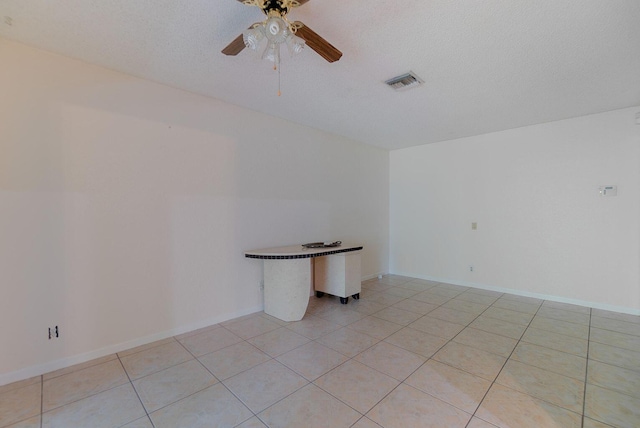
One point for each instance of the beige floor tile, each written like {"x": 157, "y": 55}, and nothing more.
{"x": 33, "y": 422}
{"x": 170, "y": 385}
{"x": 386, "y": 298}
{"x": 213, "y": 407}
{"x": 451, "y": 315}
{"x": 529, "y": 308}
{"x": 396, "y": 279}
{"x": 252, "y": 327}
{"x": 210, "y": 341}
{"x": 416, "y": 306}
{"x": 233, "y": 359}
{"x": 20, "y": 403}
{"x": 273, "y": 319}
{"x": 375, "y": 327}
{"x": 611, "y": 407}
{"x": 376, "y": 286}
{"x": 616, "y": 316}
{"x": 397, "y": 316}
{"x": 112, "y": 408}
{"x": 447, "y": 290}
{"x": 486, "y": 341}
{"x": 365, "y": 422}
{"x": 431, "y": 297}
{"x": 83, "y": 383}
{"x": 437, "y": 327}
{"x": 493, "y": 325}
{"x": 254, "y": 422}
{"x": 523, "y": 299}
{"x": 310, "y": 407}
{"x": 408, "y": 407}
{"x": 507, "y": 408}
{"x": 197, "y": 331}
{"x": 313, "y": 327}
{"x": 357, "y": 385}
{"x": 472, "y": 296}
{"x": 590, "y": 423}
{"x": 146, "y": 346}
{"x": 616, "y": 325}
{"x": 420, "y": 343}
{"x": 77, "y": 367}
{"x": 621, "y": 340}
{"x": 20, "y": 384}
{"x": 140, "y": 423}
{"x": 566, "y": 307}
{"x": 563, "y": 315}
{"x": 155, "y": 359}
{"x": 615, "y": 356}
{"x": 581, "y": 331}
{"x": 508, "y": 315}
{"x": 465, "y": 306}
{"x": 560, "y": 390}
{"x": 552, "y": 360}
{"x": 366, "y": 307}
{"x": 479, "y": 423}
{"x": 559, "y": 342}
{"x": 342, "y": 315}
{"x": 347, "y": 342}
{"x": 401, "y": 291}
{"x": 475, "y": 361}
{"x": 279, "y": 341}
{"x": 391, "y": 360}
{"x": 312, "y": 360}
{"x": 418, "y": 285}
{"x": 615, "y": 378}
{"x": 456, "y": 387}
{"x": 240, "y": 319}
{"x": 264, "y": 385}
{"x": 482, "y": 292}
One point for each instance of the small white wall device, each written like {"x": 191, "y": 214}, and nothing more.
{"x": 608, "y": 190}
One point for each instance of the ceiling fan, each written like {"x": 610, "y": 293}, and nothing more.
{"x": 277, "y": 30}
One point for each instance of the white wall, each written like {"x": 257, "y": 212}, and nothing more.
{"x": 543, "y": 229}
{"x": 125, "y": 207}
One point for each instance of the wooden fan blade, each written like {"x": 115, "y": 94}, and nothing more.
{"x": 235, "y": 47}
{"x": 325, "y": 49}
{"x": 301, "y": 2}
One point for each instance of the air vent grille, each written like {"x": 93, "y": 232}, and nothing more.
{"x": 404, "y": 82}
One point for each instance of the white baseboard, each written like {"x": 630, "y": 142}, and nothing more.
{"x": 41, "y": 369}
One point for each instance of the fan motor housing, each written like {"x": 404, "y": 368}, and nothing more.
{"x": 270, "y": 5}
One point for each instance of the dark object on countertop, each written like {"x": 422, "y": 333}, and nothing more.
{"x": 322, "y": 244}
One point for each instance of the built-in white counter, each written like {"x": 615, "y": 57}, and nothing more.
{"x": 289, "y": 276}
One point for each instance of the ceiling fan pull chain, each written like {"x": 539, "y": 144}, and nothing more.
{"x": 279, "y": 93}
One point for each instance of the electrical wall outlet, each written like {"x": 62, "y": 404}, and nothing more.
{"x": 54, "y": 332}
{"x": 470, "y": 268}
{"x": 474, "y": 226}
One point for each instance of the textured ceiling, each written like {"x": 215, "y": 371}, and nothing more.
{"x": 488, "y": 65}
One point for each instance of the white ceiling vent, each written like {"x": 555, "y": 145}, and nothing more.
{"x": 405, "y": 82}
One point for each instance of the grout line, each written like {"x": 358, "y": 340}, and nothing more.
{"x": 505, "y": 363}
{"x": 41, "y": 400}
{"x": 586, "y": 371}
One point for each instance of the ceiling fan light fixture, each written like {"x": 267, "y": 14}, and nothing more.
{"x": 272, "y": 53}
{"x": 295, "y": 45}
{"x": 252, "y": 37}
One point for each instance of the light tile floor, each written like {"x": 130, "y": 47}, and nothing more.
{"x": 409, "y": 353}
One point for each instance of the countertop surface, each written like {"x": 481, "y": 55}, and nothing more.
{"x": 299, "y": 252}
